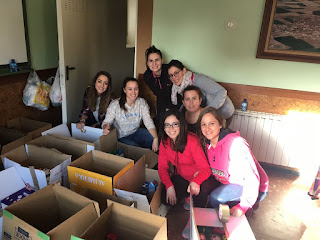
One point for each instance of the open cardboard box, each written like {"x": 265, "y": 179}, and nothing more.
{"x": 75, "y": 148}
{"x": 101, "y": 197}
{"x": 236, "y": 228}
{"x": 127, "y": 223}
{"x": 53, "y": 212}
{"x": 31, "y": 127}
{"x": 110, "y": 144}
{"x": 10, "y": 139}
{"x": 31, "y": 162}
{"x": 98, "y": 170}
{"x": 129, "y": 187}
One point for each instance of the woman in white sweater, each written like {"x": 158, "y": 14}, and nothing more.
{"x": 126, "y": 114}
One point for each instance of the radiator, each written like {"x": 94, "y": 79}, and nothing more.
{"x": 287, "y": 140}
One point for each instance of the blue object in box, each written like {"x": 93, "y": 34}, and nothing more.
{"x": 17, "y": 196}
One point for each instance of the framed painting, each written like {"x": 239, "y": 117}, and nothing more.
{"x": 290, "y": 31}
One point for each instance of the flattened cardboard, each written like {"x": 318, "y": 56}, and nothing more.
{"x": 50, "y": 213}
{"x": 31, "y": 127}
{"x": 109, "y": 144}
{"x": 132, "y": 182}
{"x": 98, "y": 170}
{"x": 39, "y": 157}
{"x": 75, "y": 148}
{"x": 127, "y": 223}
{"x": 100, "y": 197}
{"x": 10, "y": 139}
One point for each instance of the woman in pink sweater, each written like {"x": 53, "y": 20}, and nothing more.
{"x": 243, "y": 180}
{"x": 191, "y": 169}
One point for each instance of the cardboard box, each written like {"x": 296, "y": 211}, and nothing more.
{"x": 101, "y": 197}
{"x": 53, "y": 212}
{"x": 32, "y": 161}
{"x": 31, "y": 127}
{"x": 98, "y": 170}
{"x": 236, "y": 228}
{"x": 13, "y": 183}
{"x": 75, "y": 148}
{"x": 10, "y": 139}
{"x": 127, "y": 223}
{"x": 129, "y": 187}
{"x": 110, "y": 144}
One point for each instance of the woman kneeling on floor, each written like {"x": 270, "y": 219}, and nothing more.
{"x": 243, "y": 182}
{"x": 191, "y": 172}
{"x": 126, "y": 113}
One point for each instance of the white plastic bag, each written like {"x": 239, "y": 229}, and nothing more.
{"x": 36, "y": 92}
{"x": 55, "y": 92}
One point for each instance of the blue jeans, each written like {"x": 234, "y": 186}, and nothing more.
{"x": 229, "y": 194}
{"x": 141, "y": 138}
{"x": 226, "y": 194}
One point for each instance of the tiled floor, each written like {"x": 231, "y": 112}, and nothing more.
{"x": 288, "y": 213}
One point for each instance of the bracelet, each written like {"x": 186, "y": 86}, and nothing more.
{"x": 82, "y": 120}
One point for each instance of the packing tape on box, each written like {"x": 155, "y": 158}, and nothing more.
{"x": 224, "y": 213}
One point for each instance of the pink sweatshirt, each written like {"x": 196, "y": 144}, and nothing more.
{"x": 192, "y": 160}
{"x": 232, "y": 161}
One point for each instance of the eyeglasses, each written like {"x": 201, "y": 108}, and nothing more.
{"x": 174, "y": 74}
{"x": 174, "y": 125}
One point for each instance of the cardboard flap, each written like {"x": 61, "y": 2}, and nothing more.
{"x": 133, "y": 179}
{"x": 42, "y": 157}
{"x": 83, "y": 220}
{"x": 18, "y": 154}
{"x": 108, "y": 143}
{"x": 84, "y": 162}
{"x": 91, "y": 134}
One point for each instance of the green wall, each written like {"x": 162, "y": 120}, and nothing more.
{"x": 194, "y": 33}
{"x": 42, "y": 32}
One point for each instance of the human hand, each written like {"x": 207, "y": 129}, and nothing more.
{"x": 236, "y": 211}
{"x": 106, "y": 129}
{"x": 80, "y": 125}
{"x": 171, "y": 195}
{"x": 193, "y": 188}
{"x": 155, "y": 144}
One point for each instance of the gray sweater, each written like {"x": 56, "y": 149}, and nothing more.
{"x": 215, "y": 95}
{"x": 128, "y": 122}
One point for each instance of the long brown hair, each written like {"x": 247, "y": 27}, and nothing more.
{"x": 123, "y": 97}
{"x": 105, "y": 97}
{"x": 181, "y": 140}
{"x": 217, "y": 115}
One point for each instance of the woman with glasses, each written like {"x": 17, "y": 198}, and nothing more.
{"x": 126, "y": 114}
{"x": 214, "y": 95}
{"x": 191, "y": 169}
{"x": 156, "y": 77}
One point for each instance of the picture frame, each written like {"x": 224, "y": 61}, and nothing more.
{"x": 290, "y": 31}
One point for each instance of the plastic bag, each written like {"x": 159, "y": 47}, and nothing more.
{"x": 55, "y": 92}
{"x": 36, "y": 92}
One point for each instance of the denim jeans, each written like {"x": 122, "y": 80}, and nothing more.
{"x": 226, "y": 194}
{"x": 141, "y": 138}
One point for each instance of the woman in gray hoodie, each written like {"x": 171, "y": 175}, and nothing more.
{"x": 214, "y": 95}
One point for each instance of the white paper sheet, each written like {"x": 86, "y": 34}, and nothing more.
{"x": 61, "y": 130}
{"x": 142, "y": 201}
{"x": 91, "y": 135}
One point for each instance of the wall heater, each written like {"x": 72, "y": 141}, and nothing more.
{"x": 291, "y": 140}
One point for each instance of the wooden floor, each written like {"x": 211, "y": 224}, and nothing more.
{"x": 287, "y": 213}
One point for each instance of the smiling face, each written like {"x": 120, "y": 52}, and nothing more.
{"x": 210, "y": 128}
{"x": 102, "y": 83}
{"x": 176, "y": 75}
{"x": 172, "y": 127}
{"x": 132, "y": 91}
{"x": 192, "y": 101}
{"x": 154, "y": 63}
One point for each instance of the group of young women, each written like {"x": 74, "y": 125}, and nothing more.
{"x": 198, "y": 154}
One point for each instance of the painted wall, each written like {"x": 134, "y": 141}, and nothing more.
{"x": 43, "y": 35}
{"x": 194, "y": 32}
